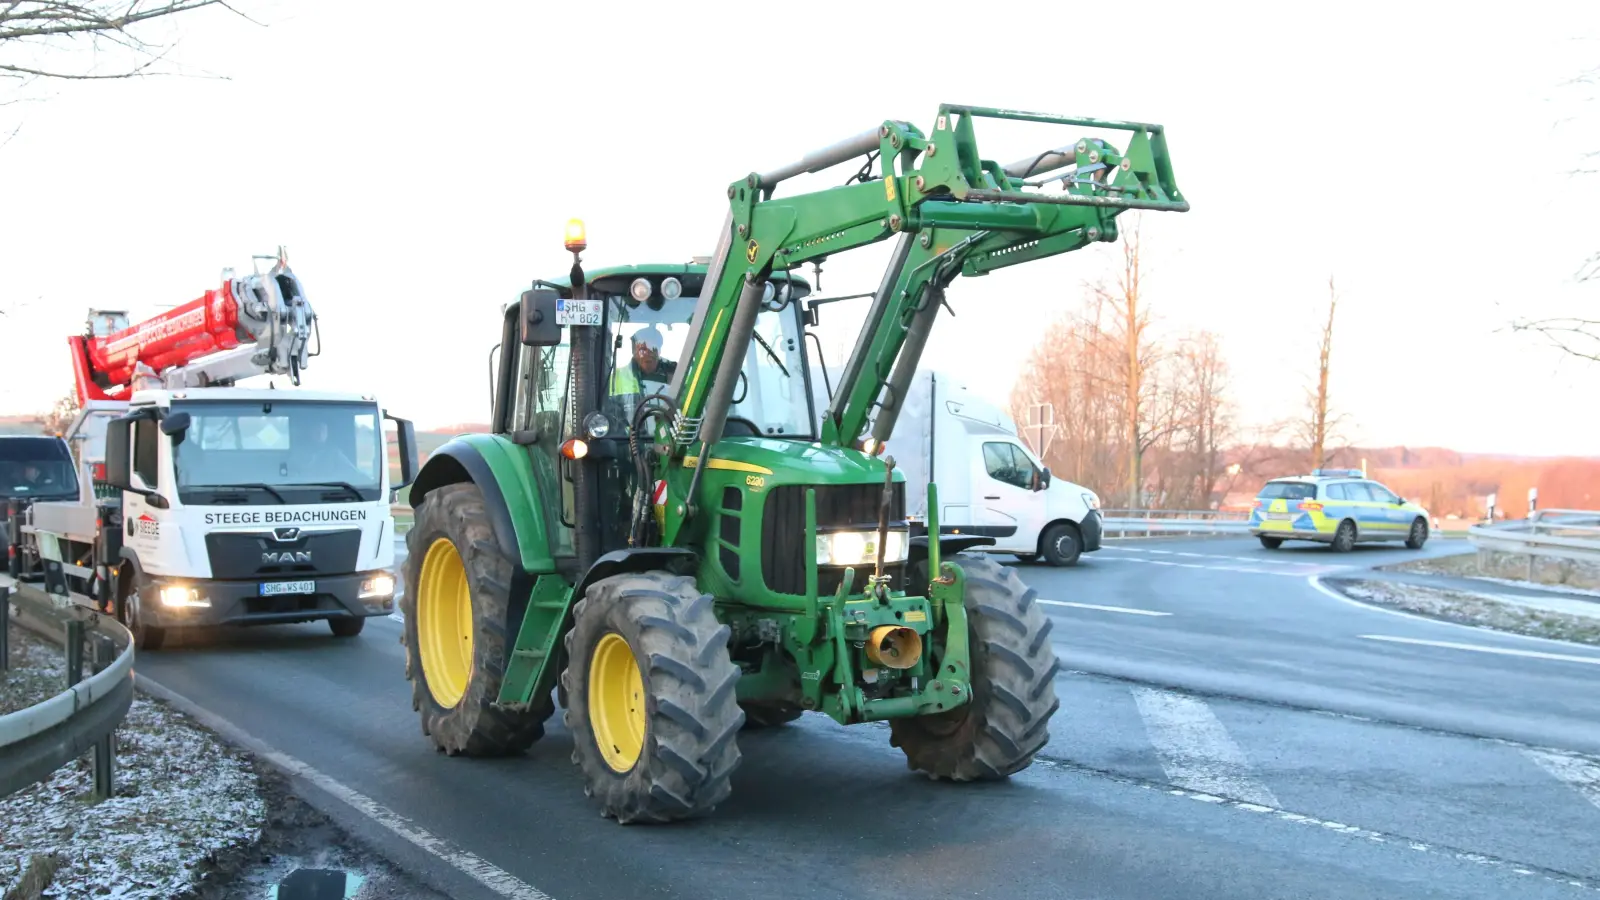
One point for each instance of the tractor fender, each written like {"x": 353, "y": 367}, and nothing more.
{"x": 502, "y": 471}
{"x": 638, "y": 559}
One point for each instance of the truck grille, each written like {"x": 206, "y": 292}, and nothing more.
{"x": 239, "y": 554}
{"x": 783, "y": 531}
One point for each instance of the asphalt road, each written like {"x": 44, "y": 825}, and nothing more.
{"x": 1226, "y": 730}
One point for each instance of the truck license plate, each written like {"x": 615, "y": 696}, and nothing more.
{"x": 273, "y": 588}
{"x": 578, "y": 312}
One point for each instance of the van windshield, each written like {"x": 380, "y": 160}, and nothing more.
{"x": 37, "y": 468}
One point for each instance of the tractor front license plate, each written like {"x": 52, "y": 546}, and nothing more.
{"x": 274, "y": 588}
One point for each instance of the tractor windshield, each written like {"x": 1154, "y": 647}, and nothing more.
{"x": 771, "y": 397}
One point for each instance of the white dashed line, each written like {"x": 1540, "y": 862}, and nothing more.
{"x": 1476, "y": 648}
{"x": 1578, "y": 772}
{"x": 1195, "y": 749}
{"x": 1115, "y": 609}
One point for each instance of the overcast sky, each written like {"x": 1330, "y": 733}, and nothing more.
{"x": 419, "y": 167}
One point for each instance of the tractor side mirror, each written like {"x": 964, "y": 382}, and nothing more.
{"x": 119, "y": 454}
{"x": 539, "y": 326}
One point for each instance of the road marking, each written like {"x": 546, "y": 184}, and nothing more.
{"x": 1195, "y": 749}
{"x": 1503, "y": 651}
{"x": 485, "y": 873}
{"x": 1282, "y": 573}
{"x": 1116, "y": 609}
{"x": 1580, "y": 773}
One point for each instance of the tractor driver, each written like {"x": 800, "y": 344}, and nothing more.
{"x": 646, "y": 373}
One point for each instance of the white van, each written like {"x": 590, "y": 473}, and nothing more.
{"x": 990, "y": 483}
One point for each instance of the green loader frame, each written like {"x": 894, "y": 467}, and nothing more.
{"x": 678, "y": 565}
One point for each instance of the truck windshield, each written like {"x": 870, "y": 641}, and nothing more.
{"x": 649, "y": 342}
{"x": 36, "y": 468}
{"x": 279, "y": 451}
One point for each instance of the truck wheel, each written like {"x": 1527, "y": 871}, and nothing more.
{"x": 1060, "y": 545}
{"x": 145, "y": 637}
{"x": 654, "y": 718}
{"x": 347, "y": 626}
{"x": 768, "y": 715}
{"x": 998, "y": 731}
{"x": 458, "y": 588}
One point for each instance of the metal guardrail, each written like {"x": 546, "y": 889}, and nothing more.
{"x": 36, "y": 741}
{"x": 1122, "y": 522}
{"x": 1571, "y": 534}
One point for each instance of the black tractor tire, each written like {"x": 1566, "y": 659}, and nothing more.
{"x": 1344, "y": 538}
{"x": 1006, "y": 722}
{"x": 1418, "y": 535}
{"x": 1271, "y": 543}
{"x": 473, "y": 725}
{"x": 145, "y": 636}
{"x": 768, "y": 715}
{"x": 1061, "y": 545}
{"x": 347, "y": 626}
{"x": 684, "y": 714}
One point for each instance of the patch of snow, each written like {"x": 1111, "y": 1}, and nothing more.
{"x": 181, "y": 797}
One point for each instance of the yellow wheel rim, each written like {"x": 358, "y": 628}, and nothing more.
{"x": 444, "y": 623}
{"x": 616, "y": 702}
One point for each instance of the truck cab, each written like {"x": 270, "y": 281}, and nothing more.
{"x": 251, "y": 506}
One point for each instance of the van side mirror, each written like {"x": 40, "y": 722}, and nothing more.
{"x": 119, "y": 454}
{"x": 538, "y": 318}
{"x": 1044, "y": 478}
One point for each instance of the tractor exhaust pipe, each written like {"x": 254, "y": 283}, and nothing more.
{"x": 894, "y": 647}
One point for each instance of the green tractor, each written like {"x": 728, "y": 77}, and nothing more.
{"x": 664, "y": 531}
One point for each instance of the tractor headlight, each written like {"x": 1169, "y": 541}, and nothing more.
{"x": 596, "y": 425}
{"x": 860, "y": 548}
{"x": 640, "y": 290}
{"x": 379, "y": 585}
{"x": 671, "y": 288}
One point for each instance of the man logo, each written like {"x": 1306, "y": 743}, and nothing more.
{"x": 275, "y": 557}
{"x": 286, "y": 534}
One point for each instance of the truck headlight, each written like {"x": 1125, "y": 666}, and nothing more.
{"x": 380, "y": 585}
{"x": 858, "y": 548}
{"x": 182, "y": 595}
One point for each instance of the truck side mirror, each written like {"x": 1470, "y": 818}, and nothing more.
{"x": 174, "y": 426}
{"x": 119, "y": 454}
{"x": 538, "y": 318}
{"x": 406, "y": 437}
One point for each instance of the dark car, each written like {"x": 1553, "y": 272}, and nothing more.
{"x": 32, "y": 467}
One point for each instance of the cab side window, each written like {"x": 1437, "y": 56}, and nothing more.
{"x": 1358, "y": 492}
{"x": 1005, "y": 462}
{"x": 145, "y": 435}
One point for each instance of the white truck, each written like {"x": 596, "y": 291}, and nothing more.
{"x": 217, "y": 504}
{"x": 990, "y": 484}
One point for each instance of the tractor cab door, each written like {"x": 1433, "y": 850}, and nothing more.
{"x": 530, "y": 388}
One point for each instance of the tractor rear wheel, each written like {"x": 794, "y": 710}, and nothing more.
{"x": 1006, "y": 722}
{"x": 653, "y": 714}
{"x": 458, "y": 586}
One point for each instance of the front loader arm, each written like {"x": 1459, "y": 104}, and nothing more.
{"x": 957, "y": 213}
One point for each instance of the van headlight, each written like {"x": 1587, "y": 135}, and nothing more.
{"x": 1092, "y": 501}
{"x": 857, "y": 548}
{"x": 379, "y": 585}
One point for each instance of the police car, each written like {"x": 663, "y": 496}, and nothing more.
{"x": 1340, "y": 507}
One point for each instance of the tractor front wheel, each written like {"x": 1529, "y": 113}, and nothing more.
{"x": 1006, "y": 722}
{"x": 458, "y": 586}
{"x": 653, "y": 713}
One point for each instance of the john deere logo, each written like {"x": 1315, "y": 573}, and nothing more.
{"x": 751, "y": 251}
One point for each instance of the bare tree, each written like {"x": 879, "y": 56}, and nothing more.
{"x": 1322, "y": 421}
{"x": 60, "y": 416}
{"x": 43, "y": 27}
